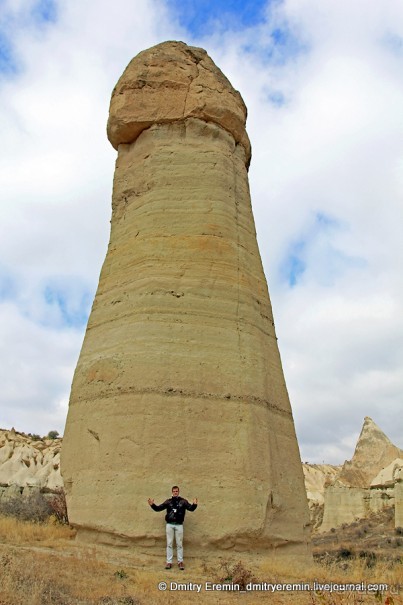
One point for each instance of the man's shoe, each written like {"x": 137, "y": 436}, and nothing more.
{"x": 168, "y": 566}
{"x": 181, "y": 565}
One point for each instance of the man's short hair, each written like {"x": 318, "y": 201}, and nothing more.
{"x": 174, "y": 487}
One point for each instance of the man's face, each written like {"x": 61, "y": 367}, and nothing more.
{"x": 175, "y": 491}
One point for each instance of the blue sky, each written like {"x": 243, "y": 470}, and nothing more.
{"x": 7, "y": 60}
{"x": 199, "y": 17}
{"x": 315, "y": 246}
{"x": 324, "y": 91}
{"x": 35, "y": 16}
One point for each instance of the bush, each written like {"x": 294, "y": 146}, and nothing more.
{"x": 34, "y": 507}
{"x": 34, "y": 437}
{"x": 52, "y": 435}
{"x": 57, "y": 503}
{"x": 120, "y": 574}
{"x": 236, "y": 574}
{"x": 345, "y": 553}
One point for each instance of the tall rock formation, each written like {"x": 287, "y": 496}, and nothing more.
{"x": 373, "y": 452}
{"x": 179, "y": 379}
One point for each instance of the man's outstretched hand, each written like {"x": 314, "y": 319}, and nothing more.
{"x": 150, "y": 501}
{"x": 194, "y": 501}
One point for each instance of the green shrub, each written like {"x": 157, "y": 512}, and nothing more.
{"x": 34, "y": 437}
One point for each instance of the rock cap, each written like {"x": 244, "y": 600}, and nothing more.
{"x": 173, "y": 81}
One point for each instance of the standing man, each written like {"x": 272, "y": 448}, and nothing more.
{"x": 176, "y": 508}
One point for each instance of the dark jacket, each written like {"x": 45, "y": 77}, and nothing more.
{"x": 176, "y": 508}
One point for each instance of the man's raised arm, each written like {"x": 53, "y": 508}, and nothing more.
{"x": 157, "y": 507}
{"x": 192, "y": 506}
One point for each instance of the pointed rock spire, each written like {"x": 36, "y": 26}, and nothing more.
{"x": 373, "y": 452}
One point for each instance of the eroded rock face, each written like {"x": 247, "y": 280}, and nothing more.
{"x": 27, "y": 462}
{"x": 367, "y": 483}
{"x": 399, "y": 503}
{"x": 171, "y": 82}
{"x": 374, "y": 451}
{"x": 390, "y": 474}
{"x": 317, "y": 477}
{"x": 179, "y": 379}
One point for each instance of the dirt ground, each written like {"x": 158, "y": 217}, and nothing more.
{"x": 39, "y": 567}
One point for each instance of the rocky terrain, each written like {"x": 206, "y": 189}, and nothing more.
{"x": 371, "y": 482}
{"x": 371, "y": 538}
{"x": 28, "y": 462}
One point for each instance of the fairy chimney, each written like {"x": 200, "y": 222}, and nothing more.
{"x": 179, "y": 380}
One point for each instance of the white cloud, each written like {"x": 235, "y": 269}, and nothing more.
{"x": 35, "y": 372}
{"x": 326, "y": 128}
{"x": 56, "y": 183}
{"x": 334, "y": 147}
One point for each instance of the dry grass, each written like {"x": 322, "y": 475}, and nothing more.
{"x": 14, "y": 531}
{"x": 42, "y": 565}
{"x": 52, "y": 579}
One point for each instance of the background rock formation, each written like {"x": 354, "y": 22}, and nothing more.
{"x": 179, "y": 379}
{"x": 317, "y": 477}
{"x": 368, "y": 483}
{"x": 373, "y": 452}
{"x": 28, "y": 462}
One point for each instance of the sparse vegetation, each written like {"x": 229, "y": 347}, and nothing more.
{"x": 375, "y": 534}
{"x": 368, "y": 556}
{"x": 14, "y": 531}
{"x": 344, "y": 553}
{"x": 34, "y": 507}
{"x": 120, "y": 574}
{"x": 34, "y": 437}
{"x": 41, "y": 565}
{"x": 235, "y": 573}
{"x": 41, "y": 578}
{"x": 71, "y": 574}
{"x": 52, "y": 435}
{"x": 57, "y": 503}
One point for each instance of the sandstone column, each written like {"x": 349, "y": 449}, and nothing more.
{"x": 399, "y": 503}
{"x": 179, "y": 379}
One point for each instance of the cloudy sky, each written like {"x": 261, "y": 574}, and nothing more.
{"x": 323, "y": 83}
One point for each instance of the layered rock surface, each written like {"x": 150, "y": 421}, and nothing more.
{"x": 29, "y": 463}
{"x": 172, "y": 82}
{"x": 317, "y": 477}
{"x": 179, "y": 379}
